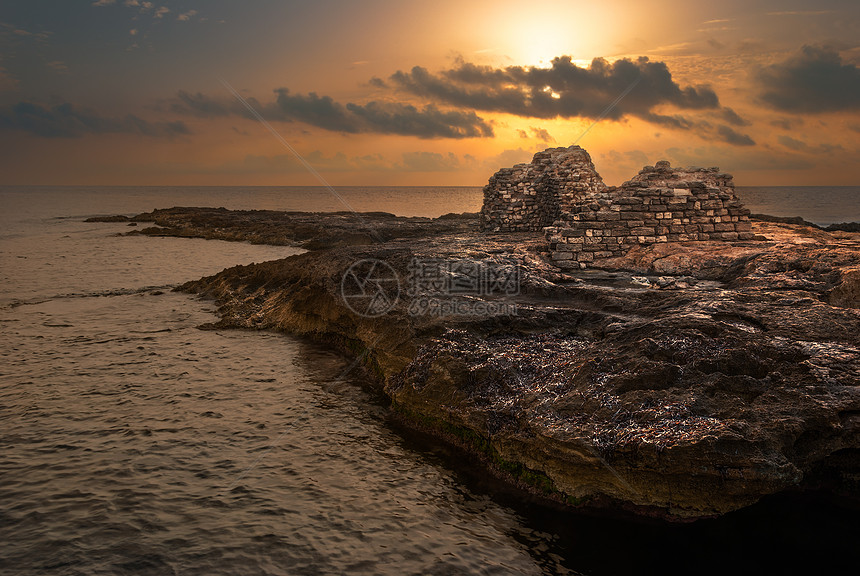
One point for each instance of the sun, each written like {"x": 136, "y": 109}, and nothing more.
{"x": 530, "y": 38}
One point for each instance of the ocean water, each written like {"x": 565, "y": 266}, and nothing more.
{"x": 133, "y": 443}
{"x": 820, "y": 205}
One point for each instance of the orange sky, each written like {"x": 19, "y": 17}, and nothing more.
{"x": 393, "y": 93}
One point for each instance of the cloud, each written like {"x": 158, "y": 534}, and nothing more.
{"x": 103, "y": 2}
{"x": 753, "y": 159}
{"x": 814, "y": 81}
{"x": 730, "y": 136}
{"x": 542, "y": 134}
{"x": 509, "y": 158}
{"x": 204, "y": 106}
{"x": 675, "y": 121}
{"x": 733, "y": 117}
{"x": 161, "y": 12}
{"x": 429, "y": 162}
{"x": 421, "y": 161}
{"x": 7, "y": 82}
{"x": 320, "y": 111}
{"x": 186, "y": 16}
{"x": 801, "y": 13}
{"x": 429, "y": 122}
{"x": 792, "y": 143}
{"x": 801, "y": 146}
{"x": 289, "y": 163}
{"x": 328, "y": 114}
{"x": 67, "y": 121}
{"x": 630, "y": 159}
{"x": 563, "y": 91}
{"x": 13, "y": 34}
{"x": 787, "y": 123}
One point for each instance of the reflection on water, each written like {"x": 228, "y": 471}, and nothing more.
{"x": 135, "y": 443}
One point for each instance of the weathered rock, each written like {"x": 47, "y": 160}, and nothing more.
{"x": 683, "y": 396}
{"x": 310, "y": 230}
{"x": 847, "y": 292}
{"x": 116, "y": 218}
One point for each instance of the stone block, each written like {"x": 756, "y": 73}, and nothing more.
{"x": 643, "y": 231}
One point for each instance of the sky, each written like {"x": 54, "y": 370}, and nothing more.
{"x": 383, "y": 92}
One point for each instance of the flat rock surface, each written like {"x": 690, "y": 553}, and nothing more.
{"x": 682, "y": 379}
{"x": 312, "y": 230}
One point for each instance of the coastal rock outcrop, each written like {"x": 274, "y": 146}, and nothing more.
{"x": 690, "y": 379}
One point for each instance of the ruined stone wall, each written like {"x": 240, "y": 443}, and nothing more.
{"x": 660, "y": 204}
{"x": 529, "y": 197}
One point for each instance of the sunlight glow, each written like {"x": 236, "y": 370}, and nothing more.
{"x": 531, "y": 38}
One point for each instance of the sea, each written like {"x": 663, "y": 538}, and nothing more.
{"x": 132, "y": 442}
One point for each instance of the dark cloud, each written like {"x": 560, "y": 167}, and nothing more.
{"x": 563, "y": 91}
{"x": 429, "y": 122}
{"x": 792, "y": 143}
{"x": 730, "y": 136}
{"x": 733, "y": 117}
{"x": 539, "y": 133}
{"x": 67, "y": 121}
{"x": 542, "y": 134}
{"x": 204, "y": 106}
{"x": 320, "y": 111}
{"x": 816, "y": 80}
{"x": 787, "y": 123}
{"x": 801, "y": 146}
{"x": 324, "y": 112}
{"x": 674, "y": 121}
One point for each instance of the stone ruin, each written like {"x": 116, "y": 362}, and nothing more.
{"x": 584, "y": 220}
{"x": 530, "y": 197}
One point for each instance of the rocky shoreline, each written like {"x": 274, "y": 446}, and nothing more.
{"x": 681, "y": 380}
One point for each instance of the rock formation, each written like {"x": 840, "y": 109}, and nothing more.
{"x": 691, "y": 380}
